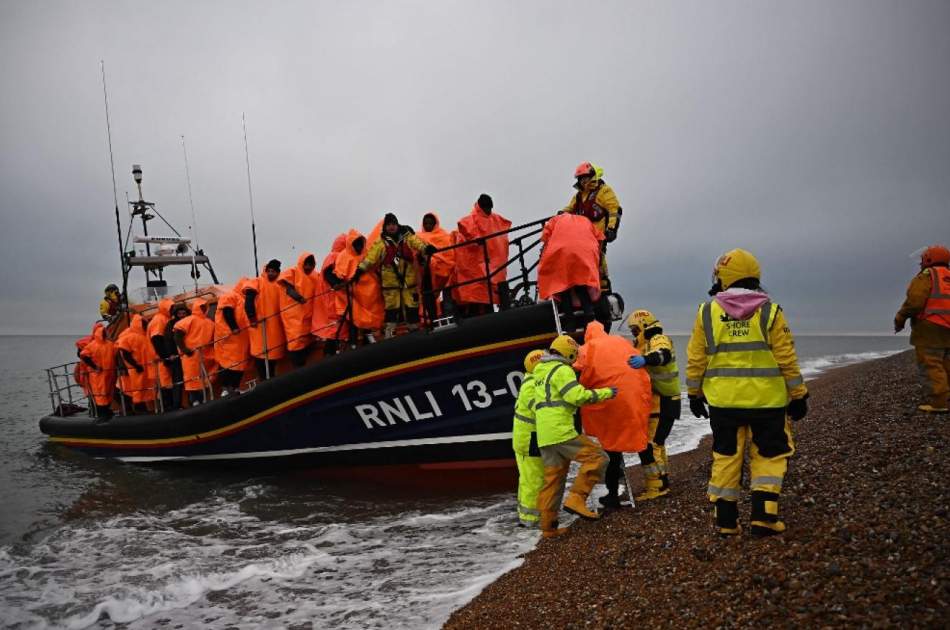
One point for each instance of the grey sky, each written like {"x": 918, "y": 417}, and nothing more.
{"x": 815, "y": 134}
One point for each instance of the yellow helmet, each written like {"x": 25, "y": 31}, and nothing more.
{"x": 641, "y": 320}
{"x": 735, "y": 265}
{"x": 531, "y": 360}
{"x": 565, "y": 346}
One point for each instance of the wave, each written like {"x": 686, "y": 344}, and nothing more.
{"x": 813, "y": 367}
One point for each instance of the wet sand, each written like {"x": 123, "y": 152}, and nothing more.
{"x": 865, "y": 502}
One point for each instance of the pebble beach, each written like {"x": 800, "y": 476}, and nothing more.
{"x": 865, "y": 502}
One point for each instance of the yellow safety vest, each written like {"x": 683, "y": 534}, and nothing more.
{"x": 742, "y": 373}
{"x": 524, "y": 422}
{"x": 665, "y": 379}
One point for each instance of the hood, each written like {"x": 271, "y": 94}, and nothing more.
{"x": 99, "y": 334}
{"x": 741, "y": 303}
{"x": 136, "y": 326}
{"x": 351, "y": 236}
{"x": 339, "y": 244}
{"x": 304, "y": 256}
{"x": 198, "y": 308}
{"x": 165, "y": 307}
{"x": 438, "y": 223}
{"x": 595, "y": 330}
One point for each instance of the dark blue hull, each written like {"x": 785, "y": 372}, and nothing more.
{"x": 444, "y": 397}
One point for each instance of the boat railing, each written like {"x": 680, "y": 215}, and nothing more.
{"x": 66, "y": 394}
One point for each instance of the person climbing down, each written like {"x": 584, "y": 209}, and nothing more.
{"x": 394, "y": 258}
{"x": 441, "y": 268}
{"x": 296, "y": 307}
{"x": 619, "y": 424}
{"x": 473, "y": 297}
{"x": 266, "y": 334}
{"x": 598, "y": 202}
{"x": 194, "y": 336}
{"x": 659, "y": 358}
{"x": 231, "y": 344}
{"x": 524, "y": 442}
{"x": 557, "y": 396}
{"x": 928, "y": 308}
{"x": 568, "y": 270}
{"x": 742, "y": 362}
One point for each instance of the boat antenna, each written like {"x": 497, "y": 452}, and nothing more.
{"x": 115, "y": 190}
{"x": 194, "y": 218}
{"x": 250, "y": 196}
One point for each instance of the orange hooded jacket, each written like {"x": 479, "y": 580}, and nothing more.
{"x": 232, "y": 350}
{"x": 156, "y": 328}
{"x": 295, "y": 316}
{"x": 571, "y": 256}
{"x": 367, "y": 312}
{"x": 440, "y": 265}
{"x": 266, "y": 305}
{"x": 81, "y": 371}
{"x": 323, "y": 324}
{"x": 199, "y": 333}
{"x": 620, "y": 423}
{"x": 470, "y": 260}
{"x": 139, "y": 386}
{"x": 101, "y": 380}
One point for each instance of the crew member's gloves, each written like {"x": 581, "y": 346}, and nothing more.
{"x": 613, "y": 393}
{"x": 697, "y": 404}
{"x": 430, "y": 250}
{"x": 798, "y": 408}
{"x": 610, "y": 235}
{"x": 637, "y": 361}
{"x": 898, "y": 324}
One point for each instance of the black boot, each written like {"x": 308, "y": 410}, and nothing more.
{"x": 727, "y": 518}
{"x": 765, "y": 521}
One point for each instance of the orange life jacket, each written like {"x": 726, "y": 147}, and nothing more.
{"x": 937, "y": 308}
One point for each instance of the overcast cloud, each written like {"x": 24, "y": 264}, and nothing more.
{"x": 815, "y": 134}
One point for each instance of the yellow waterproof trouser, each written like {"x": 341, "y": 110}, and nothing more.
{"x": 530, "y": 481}
{"x": 770, "y": 444}
{"x": 934, "y": 367}
{"x": 557, "y": 462}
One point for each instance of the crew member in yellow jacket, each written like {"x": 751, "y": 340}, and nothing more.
{"x": 598, "y": 202}
{"x": 658, "y": 357}
{"x": 742, "y": 362}
{"x": 524, "y": 442}
{"x": 557, "y": 395}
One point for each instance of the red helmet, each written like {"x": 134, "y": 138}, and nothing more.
{"x": 935, "y": 255}
{"x": 584, "y": 169}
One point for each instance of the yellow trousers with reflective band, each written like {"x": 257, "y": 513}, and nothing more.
{"x": 530, "y": 481}
{"x": 557, "y": 463}
{"x": 767, "y": 471}
{"x": 934, "y": 367}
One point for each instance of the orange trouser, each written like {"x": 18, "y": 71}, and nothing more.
{"x": 557, "y": 460}
{"x": 934, "y": 366}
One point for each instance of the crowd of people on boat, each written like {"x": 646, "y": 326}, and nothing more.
{"x": 367, "y": 287}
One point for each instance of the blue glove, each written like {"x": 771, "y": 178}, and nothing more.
{"x": 637, "y": 362}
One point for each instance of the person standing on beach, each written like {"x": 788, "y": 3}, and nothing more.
{"x": 928, "y": 307}
{"x": 557, "y": 395}
{"x": 524, "y": 442}
{"x": 742, "y": 362}
{"x": 659, "y": 358}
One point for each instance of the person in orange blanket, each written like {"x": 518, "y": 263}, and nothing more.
{"x": 159, "y": 358}
{"x": 81, "y": 371}
{"x": 296, "y": 307}
{"x": 262, "y": 305}
{"x": 359, "y": 302}
{"x": 569, "y": 269}
{"x": 231, "y": 344}
{"x": 194, "y": 336}
{"x": 621, "y": 423}
{"x": 133, "y": 347}
{"x": 441, "y": 265}
{"x": 324, "y": 323}
{"x": 99, "y": 356}
{"x": 473, "y": 298}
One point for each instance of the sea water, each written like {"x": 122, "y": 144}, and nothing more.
{"x": 87, "y": 543}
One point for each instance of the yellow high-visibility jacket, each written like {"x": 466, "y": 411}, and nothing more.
{"x": 524, "y": 422}
{"x": 557, "y": 395}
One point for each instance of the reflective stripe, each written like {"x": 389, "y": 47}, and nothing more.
{"x": 555, "y": 403}
{"x": 706, "y": 310}
{"x": 764, "y": 316}
{"x": 547, "y": 382}
{"x": 744, "y": 372}
{"x": 526, "y": 510}
{"x": 594, "y": 397}
{"x": 693, "y": 383}
{"x": 568, "y": 387}
{"x": 725, "y": 493}
{"x": 665, "y": 376}
{"x": 794, "y": 382}
{"x": 767, "y": 481}
{"x": 739, "y": 346}
{"x": 652, "y": 469}
{"x": 518, "y": 416}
